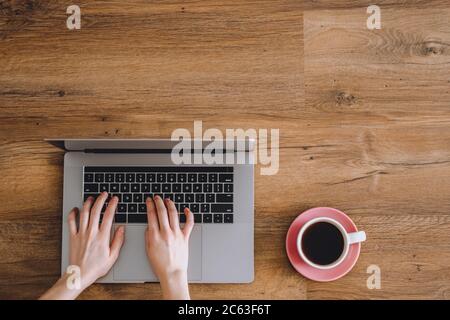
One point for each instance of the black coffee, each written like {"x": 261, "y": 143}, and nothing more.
{"x": 322, "y": 243}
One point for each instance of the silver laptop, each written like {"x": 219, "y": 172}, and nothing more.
{"x": 219, "y": 195}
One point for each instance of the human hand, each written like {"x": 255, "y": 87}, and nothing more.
{"x": 167, "y": 246}
{"x": 90, "y": 248}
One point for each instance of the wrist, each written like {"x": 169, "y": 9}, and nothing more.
{"x": 175, "y": 286}
{"x": 62, "y": 290}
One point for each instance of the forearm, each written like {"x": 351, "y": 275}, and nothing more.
{"x": 175, "y": 287}
{"x": 61, "y": 291}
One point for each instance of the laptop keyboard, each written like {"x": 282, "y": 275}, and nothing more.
{"x": 207, "y": 191}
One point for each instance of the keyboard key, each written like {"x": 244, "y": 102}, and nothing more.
{"x": 132, "y": 207}
{"x": 228, "y": 187}
{"x": 221, "y": 207}
{"x": 120, "y": 177}
{"x": 195, "y": 207}
{"x": 161, "y": 177}
{"x": 88, "y": 177}
{"x": 225, "y": 177}
{"x": 109, "y": 177}
{"x": 212, "y": 177}
{"x": 114, "y": 187}
{"x": 218, "y": 218}
{"x": 127, "y": 197}
{"x": 120, "y": 218}
{"x": 140, "y": 177}
{"x": 197, "y": 187}
{"x": 199, "y": 197}
{"x": 130, "y": 177}
{"x": 151, "y": 177}
{"x": 182, "y": 218}
{"x": 87, "y": 195}
{"x": 142, "y": 208}
{"x": 224, "y": 197}
{"x": 176, "y": 187}
{"x": 122, "y": 207}
{"x": 104, "y": 187}
{"x": 228, "y": 218}
{"x": 91, "y": 187}
{"x": 99, "y": 177}
{"x": 189, "y": 197}
{"x": 148, "y": 195}
{"x": 187, "y": 187}
{"x": 210, "y": 197}
{"x": 169, "y": 196}
{"x": 125, "y": 187}
{"x": 135, "y": 187}
{"x": 137, "y": 197}
{"x": 171, "y": 177}
{"x": 159, "y": 195}
{"x": 207, "y": 218}
{"x": 218, "y": 187}
{"x": 166, "y": 187}
{"x": 137, "y": 218}
{"x": 145, "y": 187}
{"x": 179, "y": 198}
{"x": 204, "y": 207}
{"x": 118, "y": 195}
{"x": 202, "y": 177}
{"x": 156, "y": 187}
{"x": 192, "y": 177}
{"x": 207, "y": 188}
{"x": 197, "y": 218}
{"x": 184, "y": 205}
{"x": 181, "y": 177}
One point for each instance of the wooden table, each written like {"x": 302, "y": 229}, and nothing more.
{"x": 364, "y": 119}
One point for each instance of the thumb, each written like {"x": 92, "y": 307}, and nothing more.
{"x": 117, "y": 242}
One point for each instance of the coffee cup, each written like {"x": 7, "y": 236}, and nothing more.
{"x": 323, "y": 242}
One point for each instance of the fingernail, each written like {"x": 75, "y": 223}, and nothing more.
{"x": 122, "y": 229}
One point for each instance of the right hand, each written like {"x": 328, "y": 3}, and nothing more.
{"x": 167, "y": 246}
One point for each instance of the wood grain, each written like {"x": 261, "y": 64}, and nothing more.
{"x": 363, "y": 118}
{"x": 381, "y": 100}
{"x": 137, "y": 69}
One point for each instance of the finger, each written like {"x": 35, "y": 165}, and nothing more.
{"x": 72, "y": 221}
{"x": 189, "y": 223}
{"x": 147, "y": 239}
{"x": 84, "y": 215}
{"x": 116, "y": 243}
{"x": 96, "y": 211}
{"x": 151, "y": 216}
{"x": 173, "y": 214}
{"x": 108, "y": 217}
{"x": 162, "y": 213}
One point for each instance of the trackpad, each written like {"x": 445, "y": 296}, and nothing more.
{"x": 133, "y": 265}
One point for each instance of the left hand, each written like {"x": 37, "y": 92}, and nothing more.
{"x": 90, "y": 248}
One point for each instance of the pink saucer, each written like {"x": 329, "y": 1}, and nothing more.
{"x": 305, "y": 269}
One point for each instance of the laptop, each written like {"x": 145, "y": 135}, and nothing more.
{"x": 219, "y": 195}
